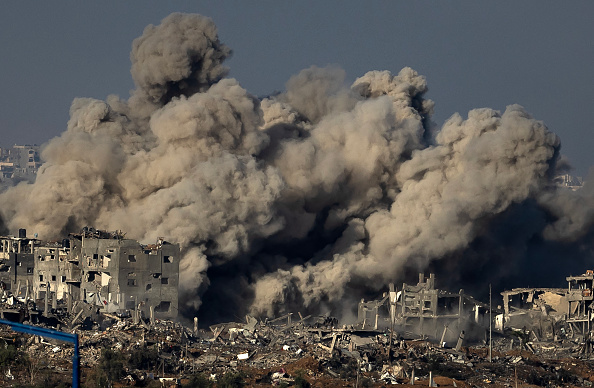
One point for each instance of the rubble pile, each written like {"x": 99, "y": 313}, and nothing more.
{"x": 533, "y": 344}
{"x": 311, "y": 351}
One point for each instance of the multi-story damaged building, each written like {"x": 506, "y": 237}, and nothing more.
{"x": 425, "y": 310}
{"x": 17, "y": 263}
{"x": 103, "y": 269}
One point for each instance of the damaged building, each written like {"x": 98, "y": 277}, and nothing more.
{"x": 423, "y": 309}
{"x": 16, "y": 262}
{"x": 104, "y": 269}
{"x": 550, "y": 313}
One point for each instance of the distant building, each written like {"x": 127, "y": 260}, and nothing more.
{"x": 569, "y": 181}
{"x": 104, "y": 269}
{"x": 18, "y": 163}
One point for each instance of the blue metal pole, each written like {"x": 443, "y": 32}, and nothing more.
{"x": 75, "y": 364}
{"x": 55, "y": 334}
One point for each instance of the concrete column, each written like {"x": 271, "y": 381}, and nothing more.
{"x": 46, "y": 304}
{"x": 460, "y": 339}
{"x": 69, "y": 296}
{"x": 441, "y": 341}
{"x": 135, "y": 314}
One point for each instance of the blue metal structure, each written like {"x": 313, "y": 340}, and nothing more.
{"x": 55, "y": 334}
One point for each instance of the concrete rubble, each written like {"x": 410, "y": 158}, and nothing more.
{"x": 293, "y": 349}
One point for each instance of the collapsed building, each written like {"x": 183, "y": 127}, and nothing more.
{"x": 551, "y": 314}
{"x": 425, "y": 310}
{"x": 103, "y": 269}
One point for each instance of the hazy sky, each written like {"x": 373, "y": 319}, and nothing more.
{"x": 474, "y": 54}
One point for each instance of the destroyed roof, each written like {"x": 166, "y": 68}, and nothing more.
{"x": 516, "y": 291}
{"x": 89, "y": 232}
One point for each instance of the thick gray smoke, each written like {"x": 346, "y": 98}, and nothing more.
{"x": 323, "y": 192}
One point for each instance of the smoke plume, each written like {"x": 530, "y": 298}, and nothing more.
{"x": 321, "y": 193}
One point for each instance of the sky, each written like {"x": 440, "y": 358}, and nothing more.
{"x": 538, "y": 54}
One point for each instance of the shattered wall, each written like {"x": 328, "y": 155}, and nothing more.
{"x": 17, "y": 264}
{"x": 323, "y": 192}
{"x": 121, "y": 274}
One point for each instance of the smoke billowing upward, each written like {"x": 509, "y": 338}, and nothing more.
{"x": 298, "y": 201}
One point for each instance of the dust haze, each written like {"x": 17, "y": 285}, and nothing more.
{"x": 323, "y": 193}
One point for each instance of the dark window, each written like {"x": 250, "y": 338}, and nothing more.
{"x": 53, "y": 278}
{"x": 95, "y": 256}
{"x": 149, "y": 286}
{"x": 29, "y": 270}
{"x": 132, "y": 282}
{"x": 63, "y": 279}
{"x": 131, "y": 258}
{"x": 40, "y": 278}
{"x": 164, "y": 280}
{"x": 167, "y": 259}
{"x": 163, "y": 307}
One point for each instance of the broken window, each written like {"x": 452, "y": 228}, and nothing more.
{"x": 40, "y": 278}
{"x": 132, "y": 282}
{"x": 167, "y": 259}
{"x": 53, "y": 278}
{"x": 131, "y": 258}
{"x": 163, "y": 307}
{"x": 164, "y": 280}
{"x": 149, "y": 286}
{"x": 91, "y": 275}
{"x": 29, "y": 270}
{"x": 95, "y": 256}
{"x": 63, "y": 278}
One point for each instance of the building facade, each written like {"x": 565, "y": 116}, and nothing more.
{"x": 104, "y": 269}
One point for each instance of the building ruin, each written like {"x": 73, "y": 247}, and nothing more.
{"x": 106, "y": 270}
{"x": 425, "y": 310}
{"x": 550, "y": 314}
